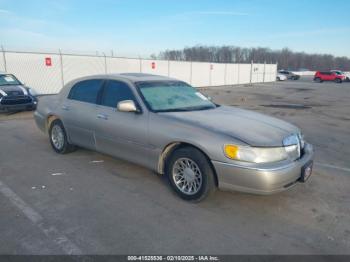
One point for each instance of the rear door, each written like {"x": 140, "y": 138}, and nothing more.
{"x": 79, "y": 111}
{"x": 328, "y": 76}
{"x": 121, "y": 134}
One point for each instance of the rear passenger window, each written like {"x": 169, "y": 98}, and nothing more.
{"x": 86, "y": 91}
{"x": 114, "y": 92}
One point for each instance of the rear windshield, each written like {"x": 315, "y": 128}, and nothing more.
{"x": 8, "y": 80}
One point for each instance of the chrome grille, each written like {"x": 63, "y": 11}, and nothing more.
{"x": 293, "y": 146}
{"x": 15, "y": 100}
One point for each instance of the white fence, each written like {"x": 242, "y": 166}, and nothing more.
{"x": 48, "y": 72}
{"x": 305, "y": 73}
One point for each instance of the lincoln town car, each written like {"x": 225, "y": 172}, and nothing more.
{"x": 173, "y": 129}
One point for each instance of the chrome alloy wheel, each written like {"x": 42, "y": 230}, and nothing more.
{"x": 57, "y": 137}
{"x": 187, "y": 176}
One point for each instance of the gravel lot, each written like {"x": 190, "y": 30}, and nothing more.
{"x": 89, "y": 203}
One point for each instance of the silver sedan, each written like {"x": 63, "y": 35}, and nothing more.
{"x": 168, "y": 126}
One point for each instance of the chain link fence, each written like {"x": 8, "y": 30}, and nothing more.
{"x": 47, "y": 73}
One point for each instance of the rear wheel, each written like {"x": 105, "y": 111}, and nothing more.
{"x": 58, "y": 138}
{"x": 318, "y": 80}
{"x": 190, "y": 174}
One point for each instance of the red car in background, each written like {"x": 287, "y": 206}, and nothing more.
{"x": 329, "y": 76}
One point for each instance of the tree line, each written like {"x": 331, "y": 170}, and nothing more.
{"x": 286, "y": 58}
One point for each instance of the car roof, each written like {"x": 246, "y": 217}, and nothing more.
{"x": 132, "y": 77}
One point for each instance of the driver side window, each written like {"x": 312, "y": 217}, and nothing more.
{"x": 114, "y": 92}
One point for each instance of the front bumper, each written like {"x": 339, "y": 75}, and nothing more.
{"x": 259, "y": 180}
{"x": 40, "y": 121}
{"x": 14, "y": 104}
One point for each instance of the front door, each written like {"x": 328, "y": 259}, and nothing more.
{"x": 121, "y": 134}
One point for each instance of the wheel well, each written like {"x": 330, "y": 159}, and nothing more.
{"x": 49, "y": 120}
{"x": 172, "y": 147}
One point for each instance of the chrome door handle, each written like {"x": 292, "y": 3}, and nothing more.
{"x": 102, "y": 116}
{"x": 66, "y": 108}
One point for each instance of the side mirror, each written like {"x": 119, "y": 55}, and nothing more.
{"x": 127, "y": 106}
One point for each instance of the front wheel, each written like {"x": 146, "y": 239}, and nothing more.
{"x": 190, "y": 174}
{"x": 337, "y": 80}
{"x": 58, "y": 138}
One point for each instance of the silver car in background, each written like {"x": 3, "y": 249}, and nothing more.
{"x": 168, "y": 126}
{"x": 289, "y": 74}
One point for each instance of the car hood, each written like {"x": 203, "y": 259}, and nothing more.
{"x": 247, "y": 126}
{"x": 13, "y": 90}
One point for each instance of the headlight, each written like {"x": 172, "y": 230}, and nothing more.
{"x": 32, "y": 92}
{"x": 294, "y": 144}
{"x": 291, "y": 149}
{"x": 256, "y": 154}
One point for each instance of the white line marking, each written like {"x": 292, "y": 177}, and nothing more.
{"x": 25, "y": 92}
{"x": 57, "y": 174}
{"x": 2, "y": 92}
{"x": 97, "y": 161}
{"x": 50, "y": 231}
{"x": 334, "y": 167}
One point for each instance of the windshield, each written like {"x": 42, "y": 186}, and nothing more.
{"x": 167, "y": 96}
{"x": 8, "y": 80}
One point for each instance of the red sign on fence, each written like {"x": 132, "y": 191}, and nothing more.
{"x": 153, "y": 65}
{"x": 48, "y": 61}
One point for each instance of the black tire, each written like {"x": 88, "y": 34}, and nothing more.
{"x": 207, "y": 174}
{"x": 337, "y": 80}
{"x": 318, "y": 80}
{"x": 66, "y": 146}
{"x": 278, "y": 79}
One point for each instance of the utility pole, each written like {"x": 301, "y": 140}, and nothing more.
{"x": 168, "y": 67}
{"x": 251, "y": 71}
{"x": 4, "y": 58}
{"x": 191, "y": 72}
{"x": 140, "y": 64}
{"x": 225, "y": 80}
{"x": 105, "y": 60}
{"x": 61, "y": 67}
